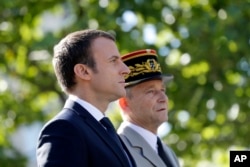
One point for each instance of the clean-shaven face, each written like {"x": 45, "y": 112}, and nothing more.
{"x": 109, "y": 80}
{"x": 148, "y": 104}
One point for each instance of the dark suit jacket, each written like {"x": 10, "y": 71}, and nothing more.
{"x": 74, "y": 138}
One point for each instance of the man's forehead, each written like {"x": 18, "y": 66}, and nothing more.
{"x": 150, "y": 84}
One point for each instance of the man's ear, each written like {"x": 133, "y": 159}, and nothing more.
{"x": 123, "y": 103}
{"x": 82, "y": 71}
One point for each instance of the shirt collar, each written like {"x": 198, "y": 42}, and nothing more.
{"x": 97, "y": 114}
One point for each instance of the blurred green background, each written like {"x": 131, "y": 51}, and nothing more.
{"x": 204, "y": 44}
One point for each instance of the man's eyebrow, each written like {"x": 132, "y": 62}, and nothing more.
{"x": 149, "y": 87}
{"x": 114, "y": 57}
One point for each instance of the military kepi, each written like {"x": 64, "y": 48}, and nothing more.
{"x": 143, "y": 65}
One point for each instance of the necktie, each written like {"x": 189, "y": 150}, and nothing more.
{"x": 111, "y": 131}
{"x": 162, "y": 154}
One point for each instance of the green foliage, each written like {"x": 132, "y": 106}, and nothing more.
{"x": 204, "y": 44}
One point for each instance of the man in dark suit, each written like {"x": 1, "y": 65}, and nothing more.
{"x": 144, "y": 109}
{"x": 89, "y": 69}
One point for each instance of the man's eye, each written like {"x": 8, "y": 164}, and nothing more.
{"x": 150, "y": 91}
{"x": 113, "y": 60}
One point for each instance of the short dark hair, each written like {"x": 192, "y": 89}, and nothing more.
{"x": 73, "y": 49}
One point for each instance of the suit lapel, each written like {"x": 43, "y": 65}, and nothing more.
{"x": 170, "y": 155}
{"x": 137, "y": 141}
{"x": 97, "y": 127}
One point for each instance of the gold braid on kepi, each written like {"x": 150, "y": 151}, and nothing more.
{"x": 143, "y": 65}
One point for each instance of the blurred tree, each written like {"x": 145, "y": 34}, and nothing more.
{"x": 205, "y": 44}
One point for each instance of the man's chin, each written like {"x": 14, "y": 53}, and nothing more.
{"x": 120, "y": 95}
